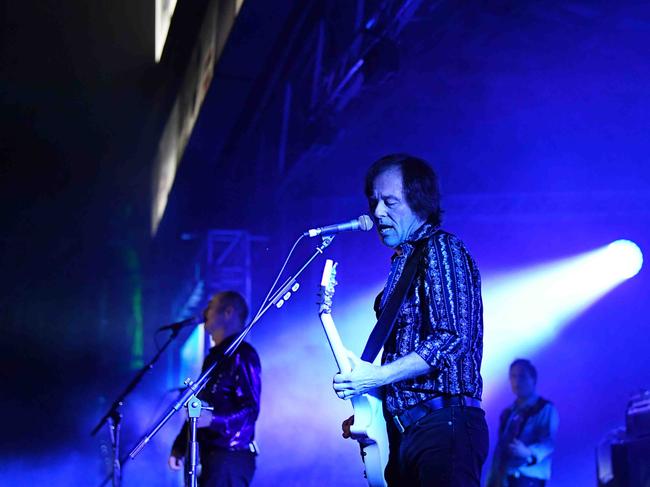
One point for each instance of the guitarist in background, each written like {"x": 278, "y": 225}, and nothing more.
{"x": 430, "y": 371}
{"x": 527, "y": 431}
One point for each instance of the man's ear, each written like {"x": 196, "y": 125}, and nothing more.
{"x": 228, "y": 312}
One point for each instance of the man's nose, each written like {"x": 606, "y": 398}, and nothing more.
{"x": 380, "y": 210}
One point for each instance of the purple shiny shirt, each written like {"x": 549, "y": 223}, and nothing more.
{"x": 234, "y": 393}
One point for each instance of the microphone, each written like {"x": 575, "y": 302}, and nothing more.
{"x": 191, "y": 321}
{"x": 362, "y": 223}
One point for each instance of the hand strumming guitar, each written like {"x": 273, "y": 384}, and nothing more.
{"x": 363, "y": 378}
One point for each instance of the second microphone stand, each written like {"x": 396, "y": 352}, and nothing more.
{"x": 114, "y": 416}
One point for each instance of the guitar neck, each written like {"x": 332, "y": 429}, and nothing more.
{"x": 334, "y": 339}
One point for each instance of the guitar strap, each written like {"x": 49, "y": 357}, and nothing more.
{"x": 526, "y": 414}
{"x": 386, "y": 320}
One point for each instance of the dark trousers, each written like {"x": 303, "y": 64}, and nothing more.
{"x": 525, "y": 482}
{"x": 446, "y": 448}
{"x": 223, "y": 468}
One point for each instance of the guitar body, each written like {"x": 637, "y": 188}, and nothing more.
{"x": 369, "y": 427}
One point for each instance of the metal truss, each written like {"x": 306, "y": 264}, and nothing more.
{"x": 223, "y": 263}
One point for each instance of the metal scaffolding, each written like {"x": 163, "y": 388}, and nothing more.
{"x": 223, "y": 263}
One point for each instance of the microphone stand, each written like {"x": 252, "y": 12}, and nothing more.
{"x": 188, "y": 397}
{"x": 113, "y": 416}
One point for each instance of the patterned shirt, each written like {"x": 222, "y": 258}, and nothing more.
{"x": 441, "y": 319}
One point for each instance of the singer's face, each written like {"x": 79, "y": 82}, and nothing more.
{"x": 216, "y": 319}
{"x": 394, "y": 218}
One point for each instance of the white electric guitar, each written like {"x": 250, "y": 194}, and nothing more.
{"x": 369, "y": 427}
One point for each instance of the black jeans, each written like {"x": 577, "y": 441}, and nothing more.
{"x": 223, "y": 468}
{"x": 446, "y": 448}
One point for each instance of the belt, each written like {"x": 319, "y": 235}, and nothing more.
{"x": 419, "y": 411}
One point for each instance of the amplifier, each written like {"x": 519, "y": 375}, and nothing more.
{"x": 637, "y": 416}
{"x": 623, "y": 462}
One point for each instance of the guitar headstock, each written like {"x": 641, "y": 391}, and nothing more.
{"x": 327, "y": 283}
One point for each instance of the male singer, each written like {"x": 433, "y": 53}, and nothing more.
{"x": 225, "y": 434}
{"x": 430, "y": 371}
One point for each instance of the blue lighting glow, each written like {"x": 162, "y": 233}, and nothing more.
{"x": 192, "y": 354}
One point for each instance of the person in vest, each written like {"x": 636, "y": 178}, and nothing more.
{"x": 527, "y": 431}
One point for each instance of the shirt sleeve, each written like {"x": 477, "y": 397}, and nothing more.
{"x": 452, "y": 302}
{"x": 242, "y": 411}
{"x": 246, "y": 371}
{"x": 547, "y": 425}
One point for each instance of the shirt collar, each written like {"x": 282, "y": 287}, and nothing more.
{"x": 423, "y": 231}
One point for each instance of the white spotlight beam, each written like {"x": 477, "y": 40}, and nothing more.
{"x": 525, "y": 309}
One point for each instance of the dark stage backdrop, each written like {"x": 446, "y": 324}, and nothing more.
{"x": 535, "y": 115}
{"x": 534, "y": 118}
